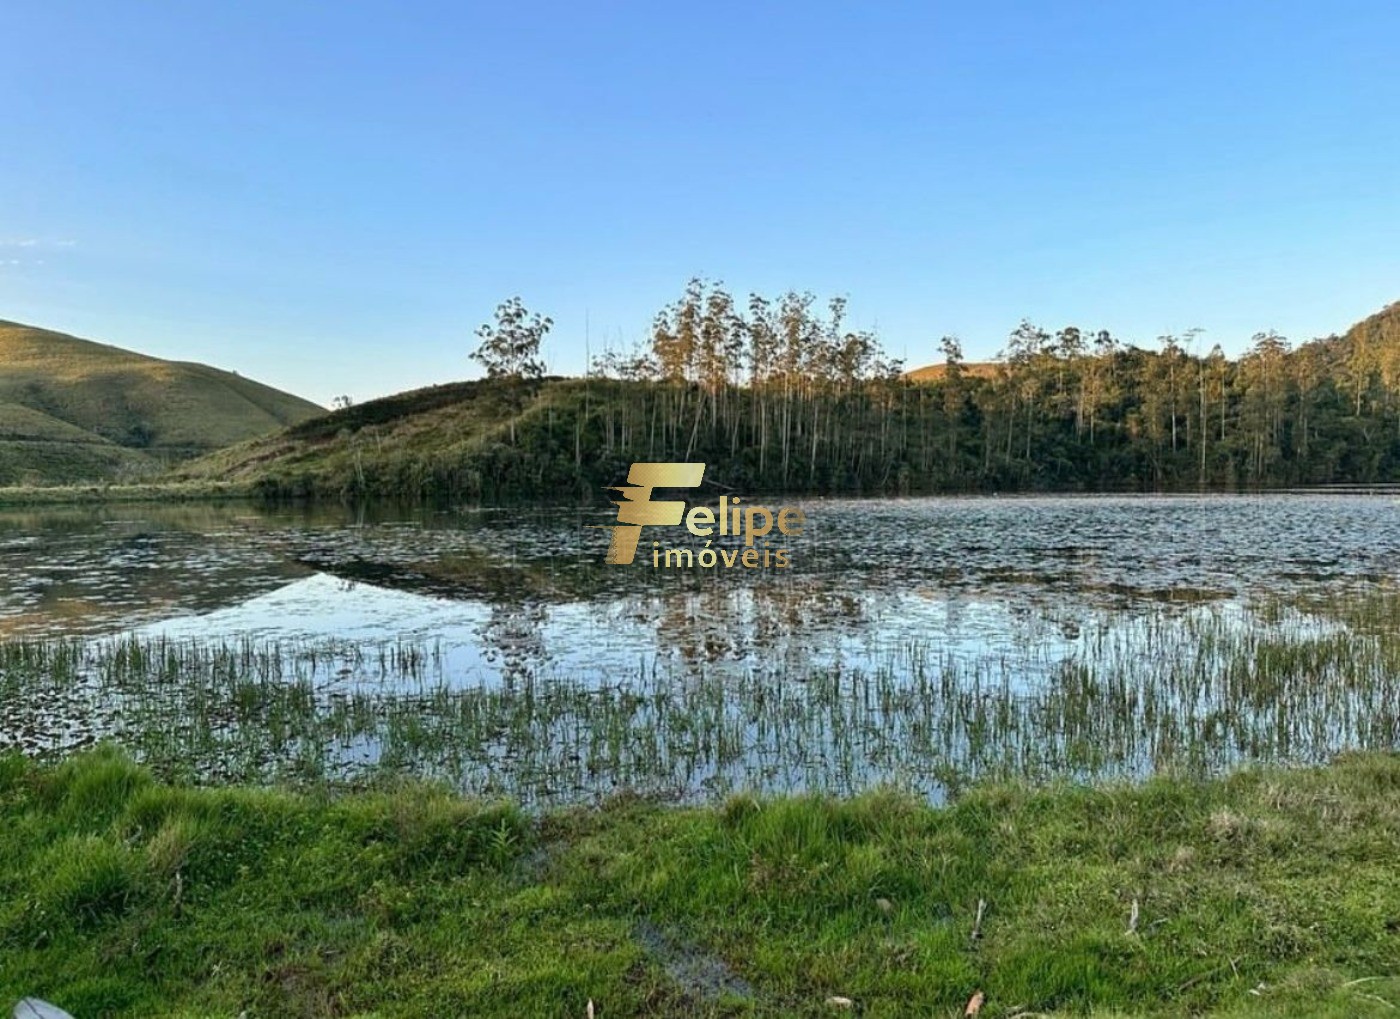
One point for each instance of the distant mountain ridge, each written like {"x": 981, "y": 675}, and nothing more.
{"x": 76, "y": 410}
{"x": 933, "y": 372}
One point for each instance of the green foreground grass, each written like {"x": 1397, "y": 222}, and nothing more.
{"x": 1270, "y": 892}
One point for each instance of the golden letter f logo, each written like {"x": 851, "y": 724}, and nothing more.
{"x": 637, "y": 510}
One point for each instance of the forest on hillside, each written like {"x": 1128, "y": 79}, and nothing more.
{"x": 780, "y": 395}
{"x": 811, "y": 404}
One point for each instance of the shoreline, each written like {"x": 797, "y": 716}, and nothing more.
{"x": 98, "y": 493}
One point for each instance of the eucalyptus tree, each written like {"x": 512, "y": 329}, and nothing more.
{"x": 510, "y": 348}
{"x": 1264, "y": 398}
{"x": 954, "y": 399}
{"x": 1025, "y": 348}
{"x": 761, "y": 327}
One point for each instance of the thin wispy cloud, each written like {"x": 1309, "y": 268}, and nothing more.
{"x": 29, "y": 247}
{"x": 35, "y": 242}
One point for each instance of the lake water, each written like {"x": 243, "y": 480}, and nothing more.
{"x": 918, "y": 642}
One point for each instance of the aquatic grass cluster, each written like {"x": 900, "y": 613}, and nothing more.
{"x": 1195, "y": 690}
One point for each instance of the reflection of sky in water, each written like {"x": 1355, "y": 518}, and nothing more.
{"x": 722, "y": 629}
{"x": 325, "y": 606}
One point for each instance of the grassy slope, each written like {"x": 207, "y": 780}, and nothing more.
{"x": 71, "y": 409}
{"x": 438, "y": 424}
{"x": 436, "y": 428}
{"x": 1267, "y": 893}
{"x": 42, "y": 463}
{"x": 35, "y": 446}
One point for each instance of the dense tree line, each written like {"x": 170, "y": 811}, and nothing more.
{"x": 807, "y": 402}
{"x": 781, "y": 395}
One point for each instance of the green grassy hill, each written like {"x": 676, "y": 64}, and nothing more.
{"x": 431, "y": 441}
{"x": 74, "y": 410}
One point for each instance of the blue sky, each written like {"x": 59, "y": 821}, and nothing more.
{"x": 330, "y": 197}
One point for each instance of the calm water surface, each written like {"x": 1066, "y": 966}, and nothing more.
{"x": 1014, "y": 595}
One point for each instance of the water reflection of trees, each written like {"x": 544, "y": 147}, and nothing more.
{"x": 772, "y": 624}
{"x": 512, "y": 638}
{"x": 767, "y": 627}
